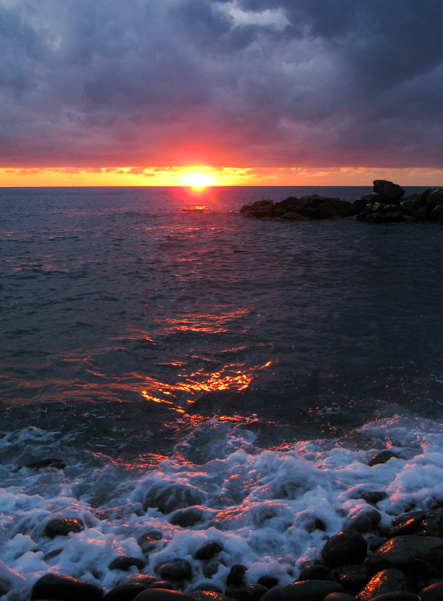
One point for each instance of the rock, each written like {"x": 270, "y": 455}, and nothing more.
{"x": 345, "y": 547}
{"x": 389, "y": 191}
{"x": 212, "y": 594}
{"x": 432, "y": 198}
{"x": 149, "y": 541}
{"x": 292, "y": 204}
{"x": 124, "y": 562}
{"x": 434, "y": 592}
{"x": 318, "y": 207}
{"x": 385, "y": 581}
{"x": 175, "y": 570}
{"x": 208, "y": 550}
{"x": 382, "y": 457}
{"x": 437, "y": 213}
{"x": 211, "y": 567}
{"x": 236, "y": 576}
{"x": 268, "y": 581}
{"x": 339, "y": 597}
{"x": 157, "y": 594}
{"x": 65, "y": 588}
{"x": 373, "y": 497}
{"x": 352, "y": 577}
{"x": 63, "y": 526}
{"x": 384, "y": 217}
{"x": 316, "y": 572}
{"x": 142, "y": 579}
{"x": 162, "y": 584}
{"x": 253, "y": 592}
{"x": 411, "y": 203}
{"x": 363, "y": 519}
{"x": 402, "y": 550}
{"x": 57, "y": 464}
{"x": 362, "y": 202}
{"x": 293, "y": 216}
{"x": 124, "y": 592}
{"x": 397, "y": 596}
{"x": 171, "y": 497}
{"x": 186, "y": 518}
{"x": 307, "y": 590}
{"x": 260, "y": 208}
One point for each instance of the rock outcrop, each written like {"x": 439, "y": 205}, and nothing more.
{"x": 386, "y": 204}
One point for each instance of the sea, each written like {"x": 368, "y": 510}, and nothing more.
{"x": 208, "y": 378}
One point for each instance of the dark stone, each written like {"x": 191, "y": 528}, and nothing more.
{"x": 385, "y": 217}
{"x": 162, "y": 584}
{"x": 57, "y": 464}
{"x": 175, "y": 570}
{"x": 208, "y": 550}
{"x": 420, "y": 569}
{"x": 260, "y": 208}
{"x": 402, "y": 550}
{"x": 157, "y": 594}
{"x": 211, "y": 567}
{"x": 174, "y": 496}
{"x": 210, "y": 594}
{"x": 307, "y": 590}
{"x": 407, "y": 526}
{"x": 373, "y": 497}
{"x": 434, "y": 198}
{"x": 411, "y": 203}
{"x": 63, "y": 526}
{"x": 268, "y": 581}
{"x": 65, "y": 588}
{"x": 437, "y": 214}
{"x": 345, "y": 547}
{"x": 125, "y": 562}
{"x": 318, "y": 207}
{"x": 364, "y": 519}
{"x": 186, "y": 518}
{"x": 382, "y": 457}
{"x": 143, "y": 579}
{"x": 236, "y": 576}
{"x": 234, "y": 592}
{"x": 316, "y": 572}
{"x": 434, "y": 592}
{"x": 388, "y": 190}
{"x": 385, "y": 581}
{"x": 124, "y": 592}
{"x": 352, "y": 577}
{"x": 397, "y": 596}
{"x": 293, "y": 216}
{"x": 339, "y": 597}
{"x": 362, "y": 202}
{"x": 292, "y": 204}
{"x": 253, "y": 592}
{"x": 52, "y": 554}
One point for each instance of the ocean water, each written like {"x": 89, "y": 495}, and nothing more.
{"x": 174, "y": 354}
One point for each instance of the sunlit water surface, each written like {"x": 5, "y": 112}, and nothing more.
{"x": 166, "y": 348}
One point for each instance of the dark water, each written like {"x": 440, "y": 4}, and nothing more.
{"x": 193, "y": 360}
{"x": 126, "y": 304}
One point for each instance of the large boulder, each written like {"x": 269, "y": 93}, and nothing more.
{"x": 260, "y": 208}
{"x": 389, "y": 191}
{"x": 290, "y": 204}
{"x": 401, "y": 551}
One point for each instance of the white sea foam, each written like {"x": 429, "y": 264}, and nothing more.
{"x": 270, "y": 510}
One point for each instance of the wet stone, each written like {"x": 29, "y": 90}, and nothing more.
{"x": 65, "y": 588}
{"x": 236, "y": 576}
{"x": 339, "y": 597}
{"x": 382, "y": 457}
{"x": 397, "y": 596}
{"x": 124, "y": 592}
{"x": 186, "y": 518}
{"x": 207, "y": 587}
{"x": 352, "y": 577}
{"x": 253, "y": 592}
{"x": 175, "y": 570}
{"x": 402, "y": 550}
{"x": 316, "y": 572}
{"x": 156, "y": 594}
{"x": 307, "y": 590}
{"x": 207, "y": 595}
{"x": 53, "y": 462}
{"x": 211, "y": 567}
{"x": 344, "y": 548}
{"x": 162, "y": 584}
{"x": 365, "y": 519}
{"x": 268, "y": 581}
{"x": 234, "y": 592}
{"x": 142, "y": 579}
{"x": 374, "y": 497}
{"x": 386, "y": 581}
{"x": 208, "y": 550}
{"x": 434, "y": 592}
{"x": 124, "y": 563}
{"x": 63, "y": 526}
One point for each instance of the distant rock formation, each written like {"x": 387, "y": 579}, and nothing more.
{"x": 386, "y": 204}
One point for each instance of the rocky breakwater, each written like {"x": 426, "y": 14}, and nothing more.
{"x": 386, "y": 204}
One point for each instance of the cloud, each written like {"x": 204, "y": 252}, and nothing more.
{"x": 230, "y": 83}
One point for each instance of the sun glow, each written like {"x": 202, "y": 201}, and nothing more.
{"x": 198, "y": 181}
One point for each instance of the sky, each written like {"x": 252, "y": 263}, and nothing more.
{"x": 272, "y": 92}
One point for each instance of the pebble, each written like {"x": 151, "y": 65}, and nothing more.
{"x": 382, "y": 457}
{"x": 157, "y": 594}
{"x": 397, "y": 596}
{"x": 236, "y": 576}
{"x": 65, "y": 588}
{"x": 316, "y": 572}
{"x": 186, "y": 518}
{"x": 365, "y": 519}
{"x": 402, "y": 550}
{"x": 124, "y": 592}
{"x": 57, "y": 464}
{"x": 434, "y": 592}
{"x": 174, "y": 569}
{"x": 307, "y": 590}
{"x": 339, "y": 597}
{"x": 386, "y": 581}
{"x": 124, "y": 562}
{"x": 63, "y": 526}
{"x": 208, "y": 550}
{"x": 345, "y": 547}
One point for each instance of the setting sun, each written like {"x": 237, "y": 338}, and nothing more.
{"x": 198, "y": 180}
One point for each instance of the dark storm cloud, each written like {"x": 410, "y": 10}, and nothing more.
{"x": 252, "y": 82}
